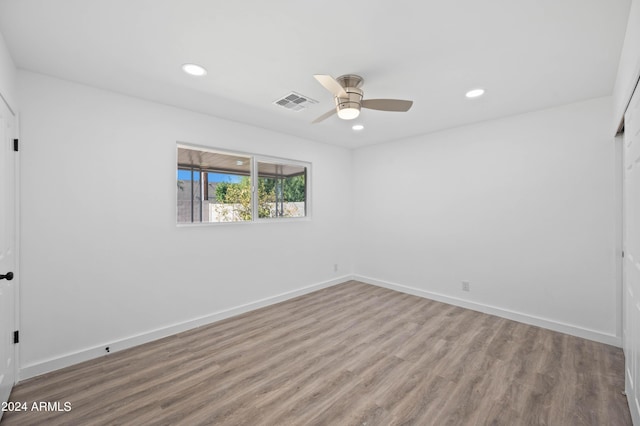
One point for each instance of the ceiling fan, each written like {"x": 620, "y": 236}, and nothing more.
{"x": 348, "y": 98}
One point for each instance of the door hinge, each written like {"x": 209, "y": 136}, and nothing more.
{"x": 622, "y": 253}
{"x": 16, "y": 337}
{"x": 15, "y": 145}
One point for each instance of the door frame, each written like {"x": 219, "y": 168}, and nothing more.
{"x": 619, "y": 235}
{"x": 16, "y": 293}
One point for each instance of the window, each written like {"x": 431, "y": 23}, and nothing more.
{"x": 282, "y": 189}
{"x": 218, "y": 186}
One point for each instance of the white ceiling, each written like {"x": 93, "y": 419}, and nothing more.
{"x": 528, "y": 55}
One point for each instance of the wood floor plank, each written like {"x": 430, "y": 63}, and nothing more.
{"x": 352, "y": 354}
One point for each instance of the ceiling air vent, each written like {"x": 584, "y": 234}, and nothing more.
{"x": 295, "y": 101}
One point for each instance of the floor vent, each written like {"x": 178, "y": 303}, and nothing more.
{"x": 295, "y": 101}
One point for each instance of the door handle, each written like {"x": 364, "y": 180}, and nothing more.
{"x": 8, "y": 277}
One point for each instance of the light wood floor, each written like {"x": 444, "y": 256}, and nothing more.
{"x": 352, "y": 354}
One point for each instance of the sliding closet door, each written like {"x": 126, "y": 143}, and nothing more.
{"x": 631, "y": 242}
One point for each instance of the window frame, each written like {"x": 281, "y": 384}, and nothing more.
{"x": 253, "y": 174}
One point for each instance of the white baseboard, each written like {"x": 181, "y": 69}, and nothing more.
{"x": 67, "y": 360}
{"x": 573, "y": 330}
{"x": 634, "y": 409}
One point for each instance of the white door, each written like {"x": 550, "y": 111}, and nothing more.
{"x": 631, "y": 244}
{"x": 8, "y": 161}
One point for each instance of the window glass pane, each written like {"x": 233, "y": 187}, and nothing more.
{"x": 229, "y": 197}
{"x": 184, "y": 196}
{"x": 213, "y": 187}
{"x": 282, "y": 190}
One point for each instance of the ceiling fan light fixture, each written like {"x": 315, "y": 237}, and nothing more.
{"x": 348, "y": 113}
{"x": 194, "y": 69}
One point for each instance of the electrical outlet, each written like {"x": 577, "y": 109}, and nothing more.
{"x": 335, "y": 267}
{"x": 465, "y": 286}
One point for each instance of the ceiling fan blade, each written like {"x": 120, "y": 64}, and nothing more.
{"x": 332, "y": 85}
{"x": 324, "y": 116}
{"x": 387, "y": 104}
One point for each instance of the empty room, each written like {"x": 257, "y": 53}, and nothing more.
{"x": 319, "y": 213}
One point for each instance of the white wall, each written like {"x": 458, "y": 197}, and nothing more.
{"x": 100, "y": 267}
{"x": 521, "y": 207}
{"x": 7, "y": 76}
{"x": 629, "y": 66}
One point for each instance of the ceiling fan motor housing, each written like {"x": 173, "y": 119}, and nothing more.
{"x": 351, "y": 84}
{"x": 353, "y": 100}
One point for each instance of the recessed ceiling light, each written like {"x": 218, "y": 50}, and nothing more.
{"x": 193, "y": 69}
{"x": 475, "y": 93}
{"x": 357, "y": 127}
